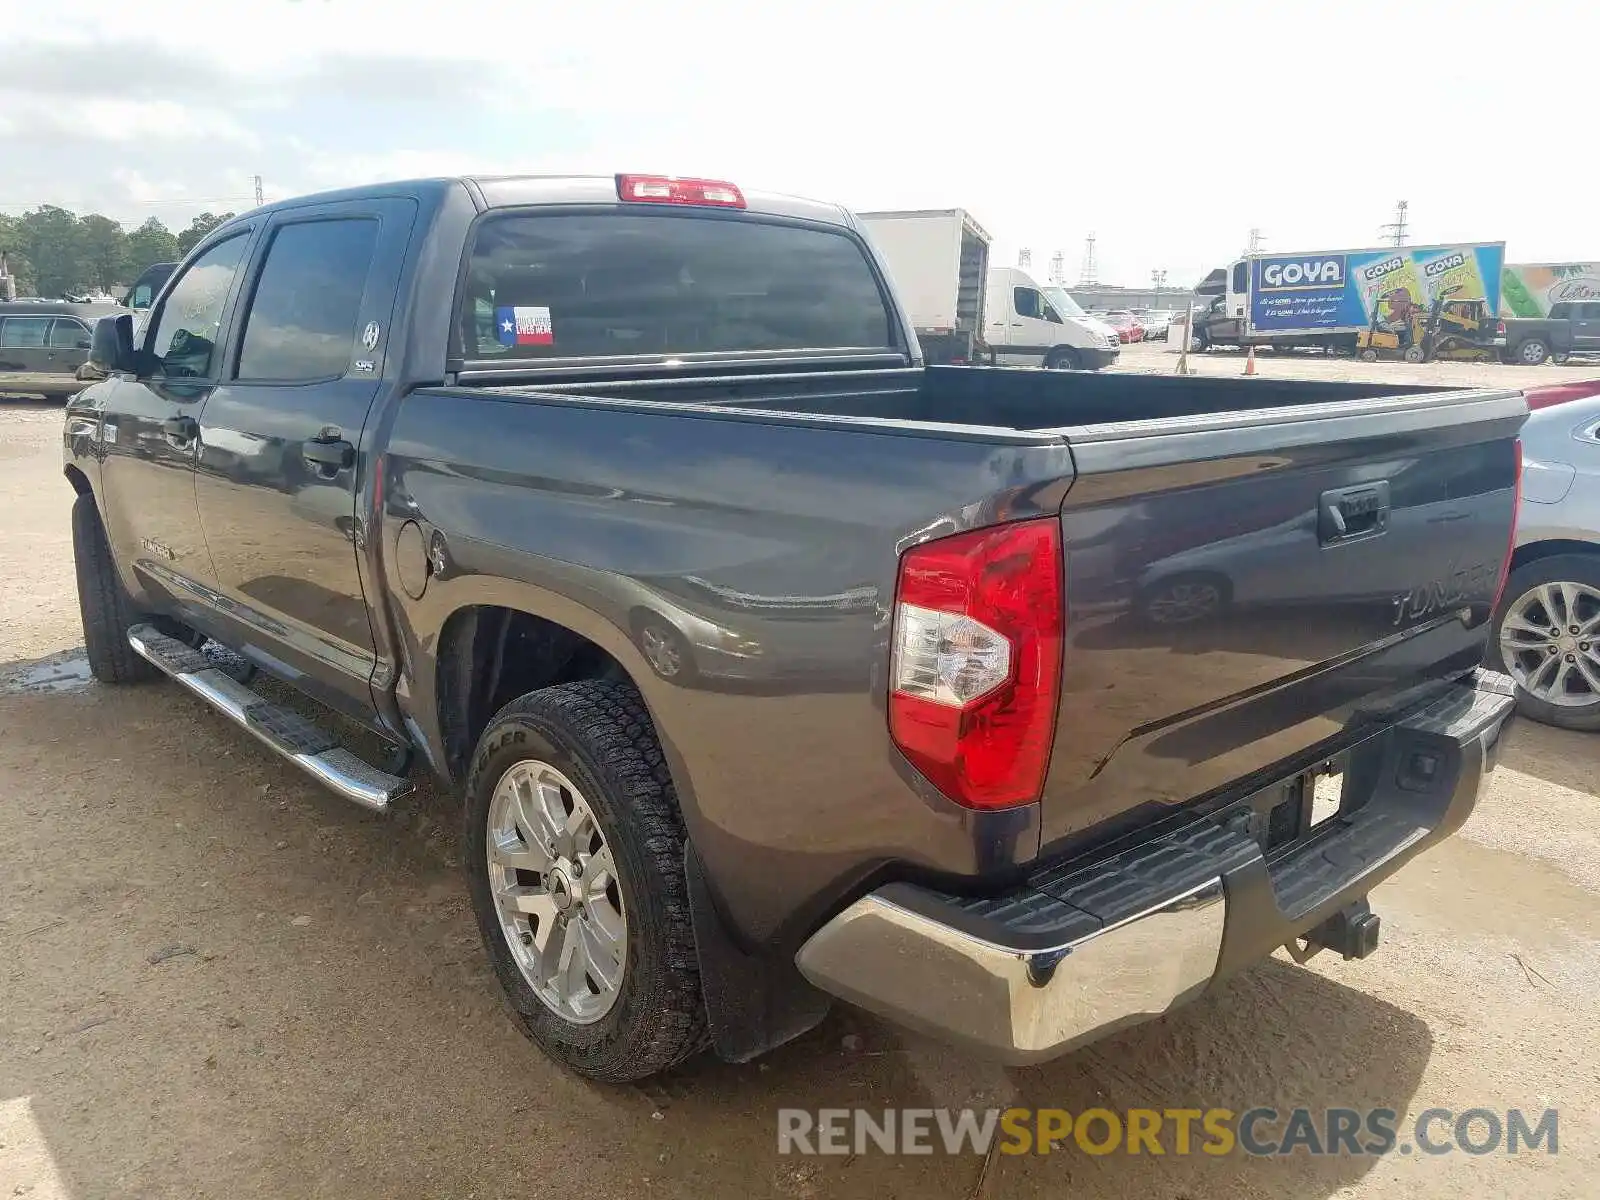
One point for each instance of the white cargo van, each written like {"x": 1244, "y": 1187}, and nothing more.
{"x": 1034, "y": 326}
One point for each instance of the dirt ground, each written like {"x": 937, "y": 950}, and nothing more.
{"x": 218, "y": 980}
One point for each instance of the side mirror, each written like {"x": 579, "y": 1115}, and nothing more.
{"x": 112, "y": 347}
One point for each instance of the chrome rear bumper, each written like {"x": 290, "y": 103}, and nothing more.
{"x": 1086, "y": 948}
{"x": 1022, "y": 1005}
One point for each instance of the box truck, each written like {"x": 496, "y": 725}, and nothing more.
{"x": 964, "y": 310}
{"x": 939, "y": 259}
{"x": 1328, "y": 297}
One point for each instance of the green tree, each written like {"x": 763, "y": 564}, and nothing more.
{"x": 104, "y": 250}
{"x": 151, "y": 243}
{"x": 198, "y": 228}
{"x": 52, "y": 241}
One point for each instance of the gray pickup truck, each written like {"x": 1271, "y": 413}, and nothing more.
{"x": 771, "y": 665}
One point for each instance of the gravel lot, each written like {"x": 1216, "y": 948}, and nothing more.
{"x": 217, "y": 980}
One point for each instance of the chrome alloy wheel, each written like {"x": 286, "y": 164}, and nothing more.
{"x": 1550, "y": 642}
{"x": 555, "y": 887}
{"x": 1184, "y": 602}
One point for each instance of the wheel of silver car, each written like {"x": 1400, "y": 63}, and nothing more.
{"x": 1548, "y": 637}
{"x": 664, "y": 648}
{"x": 555, "y": 886}
{"x": 575, "y": 855}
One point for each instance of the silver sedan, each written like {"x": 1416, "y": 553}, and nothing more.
{"x": 1547, "y": 632}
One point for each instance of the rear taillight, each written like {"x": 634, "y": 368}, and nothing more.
{"x": 976, "y": 663}
{"x": 664, "y": 189}
{"x": 1500, "y": 328}
{"x": 1560, "y": 393}
{"x": 1511, "y": 544}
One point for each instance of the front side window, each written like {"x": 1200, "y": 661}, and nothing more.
{"x": 184, "y": 340}
{"x": 1026, "y": 301}
{"x": 68, "y": 334}
{"x": 568, "y": 285}
{"x": 24, "y": 333}
{"x": 301, "y": 325}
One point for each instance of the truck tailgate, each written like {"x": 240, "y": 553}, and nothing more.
{"x": 1243, "y": 587}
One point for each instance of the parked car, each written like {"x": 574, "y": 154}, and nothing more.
{"x": 1155, "y": 322}
{"x": 43, "y": 343}
{"x": 1547, "y": 630}
{"x": 1125, "y": 323}
{"x": 952, "y": 802}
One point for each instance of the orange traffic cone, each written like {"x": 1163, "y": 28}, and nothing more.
{"x": 1250, "y": 362}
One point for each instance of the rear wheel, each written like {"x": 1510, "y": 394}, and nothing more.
{"x": 102, "y": 602}
{"x": 1531, "y": 352}
{"x": 1547, "y": 635}
{"x": 575, "y": 853}
{"x": 1414, "y": 354}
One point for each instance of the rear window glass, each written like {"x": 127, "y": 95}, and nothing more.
{"x": 599, "y": 284}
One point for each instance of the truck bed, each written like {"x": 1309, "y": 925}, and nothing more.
{"x": 775, "y": 507}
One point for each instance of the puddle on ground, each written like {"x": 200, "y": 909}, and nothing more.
{"x": 67, "y": 674}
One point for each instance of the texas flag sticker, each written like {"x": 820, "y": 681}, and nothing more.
{"x": 522, "y": 326}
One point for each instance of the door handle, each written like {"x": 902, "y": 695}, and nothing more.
{"x": 330, "y": 456}
{"x": 185, "y": 429}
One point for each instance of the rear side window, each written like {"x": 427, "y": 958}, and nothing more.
{"x": 1563, "y": 311}
{"x": 606, "y": 284}
{"x": 24, "y": 333}
{"x": 302, "y": 320}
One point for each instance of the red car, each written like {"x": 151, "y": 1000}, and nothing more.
{"x": 1126, "y": 324}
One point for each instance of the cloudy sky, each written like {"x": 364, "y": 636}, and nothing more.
{"x": 1168, "y": 129}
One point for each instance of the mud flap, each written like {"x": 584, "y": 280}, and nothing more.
{"x": 753, "y": 1004}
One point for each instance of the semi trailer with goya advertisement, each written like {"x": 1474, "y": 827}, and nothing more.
{"x": 1328, "y": 298}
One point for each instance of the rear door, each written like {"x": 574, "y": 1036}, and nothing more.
{"x": 24, "y": 349}
{"x": 1586, "y": 326}
{"x": 282, "y": 437}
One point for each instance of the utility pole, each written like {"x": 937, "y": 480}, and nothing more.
{"x": 1396, "y": 230}
{"x": 1087, "y": 275}
{"x": 1159, "y": 278}
{"x": 259, "y": 200}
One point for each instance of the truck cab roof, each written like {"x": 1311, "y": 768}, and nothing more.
{"x": 516, "y": 191}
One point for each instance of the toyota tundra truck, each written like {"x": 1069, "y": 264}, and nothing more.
{"x": 771, "y": 665}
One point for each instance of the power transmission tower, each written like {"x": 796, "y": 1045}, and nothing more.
{"x": 259, "y": 200}
{"x": 1058, "y": 267}
{"x": 1024, "y": 258}
{"x": 1395, "y": 231}
{"x": 1088, "y": 276}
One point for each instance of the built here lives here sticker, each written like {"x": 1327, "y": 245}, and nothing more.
{"x": 524, "y": 326}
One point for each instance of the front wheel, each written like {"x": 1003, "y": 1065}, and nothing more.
{"x": 103, "y": 602}
{"x": 575, "y": 853}
{"x": 1546, "y": 636}
{"x": 1561, "y": 360}
{"x": 1062, "y": 358}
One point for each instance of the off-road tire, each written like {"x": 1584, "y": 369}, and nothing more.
{"x": 600, "y": 736}
{"x": 104, "y": 604}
